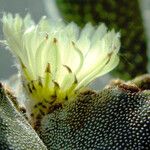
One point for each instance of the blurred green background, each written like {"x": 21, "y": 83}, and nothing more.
{"x": 123, "y": 16}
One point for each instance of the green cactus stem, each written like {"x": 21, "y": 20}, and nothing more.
{"x": 114, "y": 118}
{"x": 15, "y": 132}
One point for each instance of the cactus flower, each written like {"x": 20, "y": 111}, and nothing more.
{"x": 57, "y": 61}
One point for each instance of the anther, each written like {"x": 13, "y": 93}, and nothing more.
{"x": 75, "y": 79}
{"x": 55, "y": 40}
{"x": 33, "y": 87}
{"x": 29, "y": 88}
{"x": 69, "y": 70}
{"x": 35, "y": 106}
{"x": 46, "y": 36}
{"x": 42, "y": 113}
{"x": 48, "y": 68}
{"x": 32, "y": 115}
{"x": 66, "y": 98}
{"x": 40, "y": 82}
{"x": 56, "y": 84}
{"x": 73, "y": 43}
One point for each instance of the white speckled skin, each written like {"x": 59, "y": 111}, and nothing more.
{"x": 15, "y": 132}
{"x": 113, "y": 119}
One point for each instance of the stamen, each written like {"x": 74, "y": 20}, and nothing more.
{"x": 56, "y": 85}
{"x": 29, "y": 88}
{"x": 66, "y": 98}
{"x": 42, "y": 113}
{"x": 75, "y": 79}
{"x": 32, "y": 115}
{"x": 47, "y": 76}
{"x": 43, "y": 106}
{"x": 40, "y": 103}
{"x": 73, "y": 43}
{"x": 40, "y": 82}
{"x": 56, "y": 89}
{"x": 33, "y": 87}
{"x": 48, "y": 68}
{"x": 80, "y": 54}
{"x": 46, "y": 36}
{"x": 53, "y": 99}
{"x": 55, "y": 40}
{"x": 35, "y": 106}
{"x": 69, "y": 70}
{"x": 109, "y": 57}
{"x": 26, "y": 73}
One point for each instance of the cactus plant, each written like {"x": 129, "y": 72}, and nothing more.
{"x": 117, "y": 117}
{"x": 60, "y": 112}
